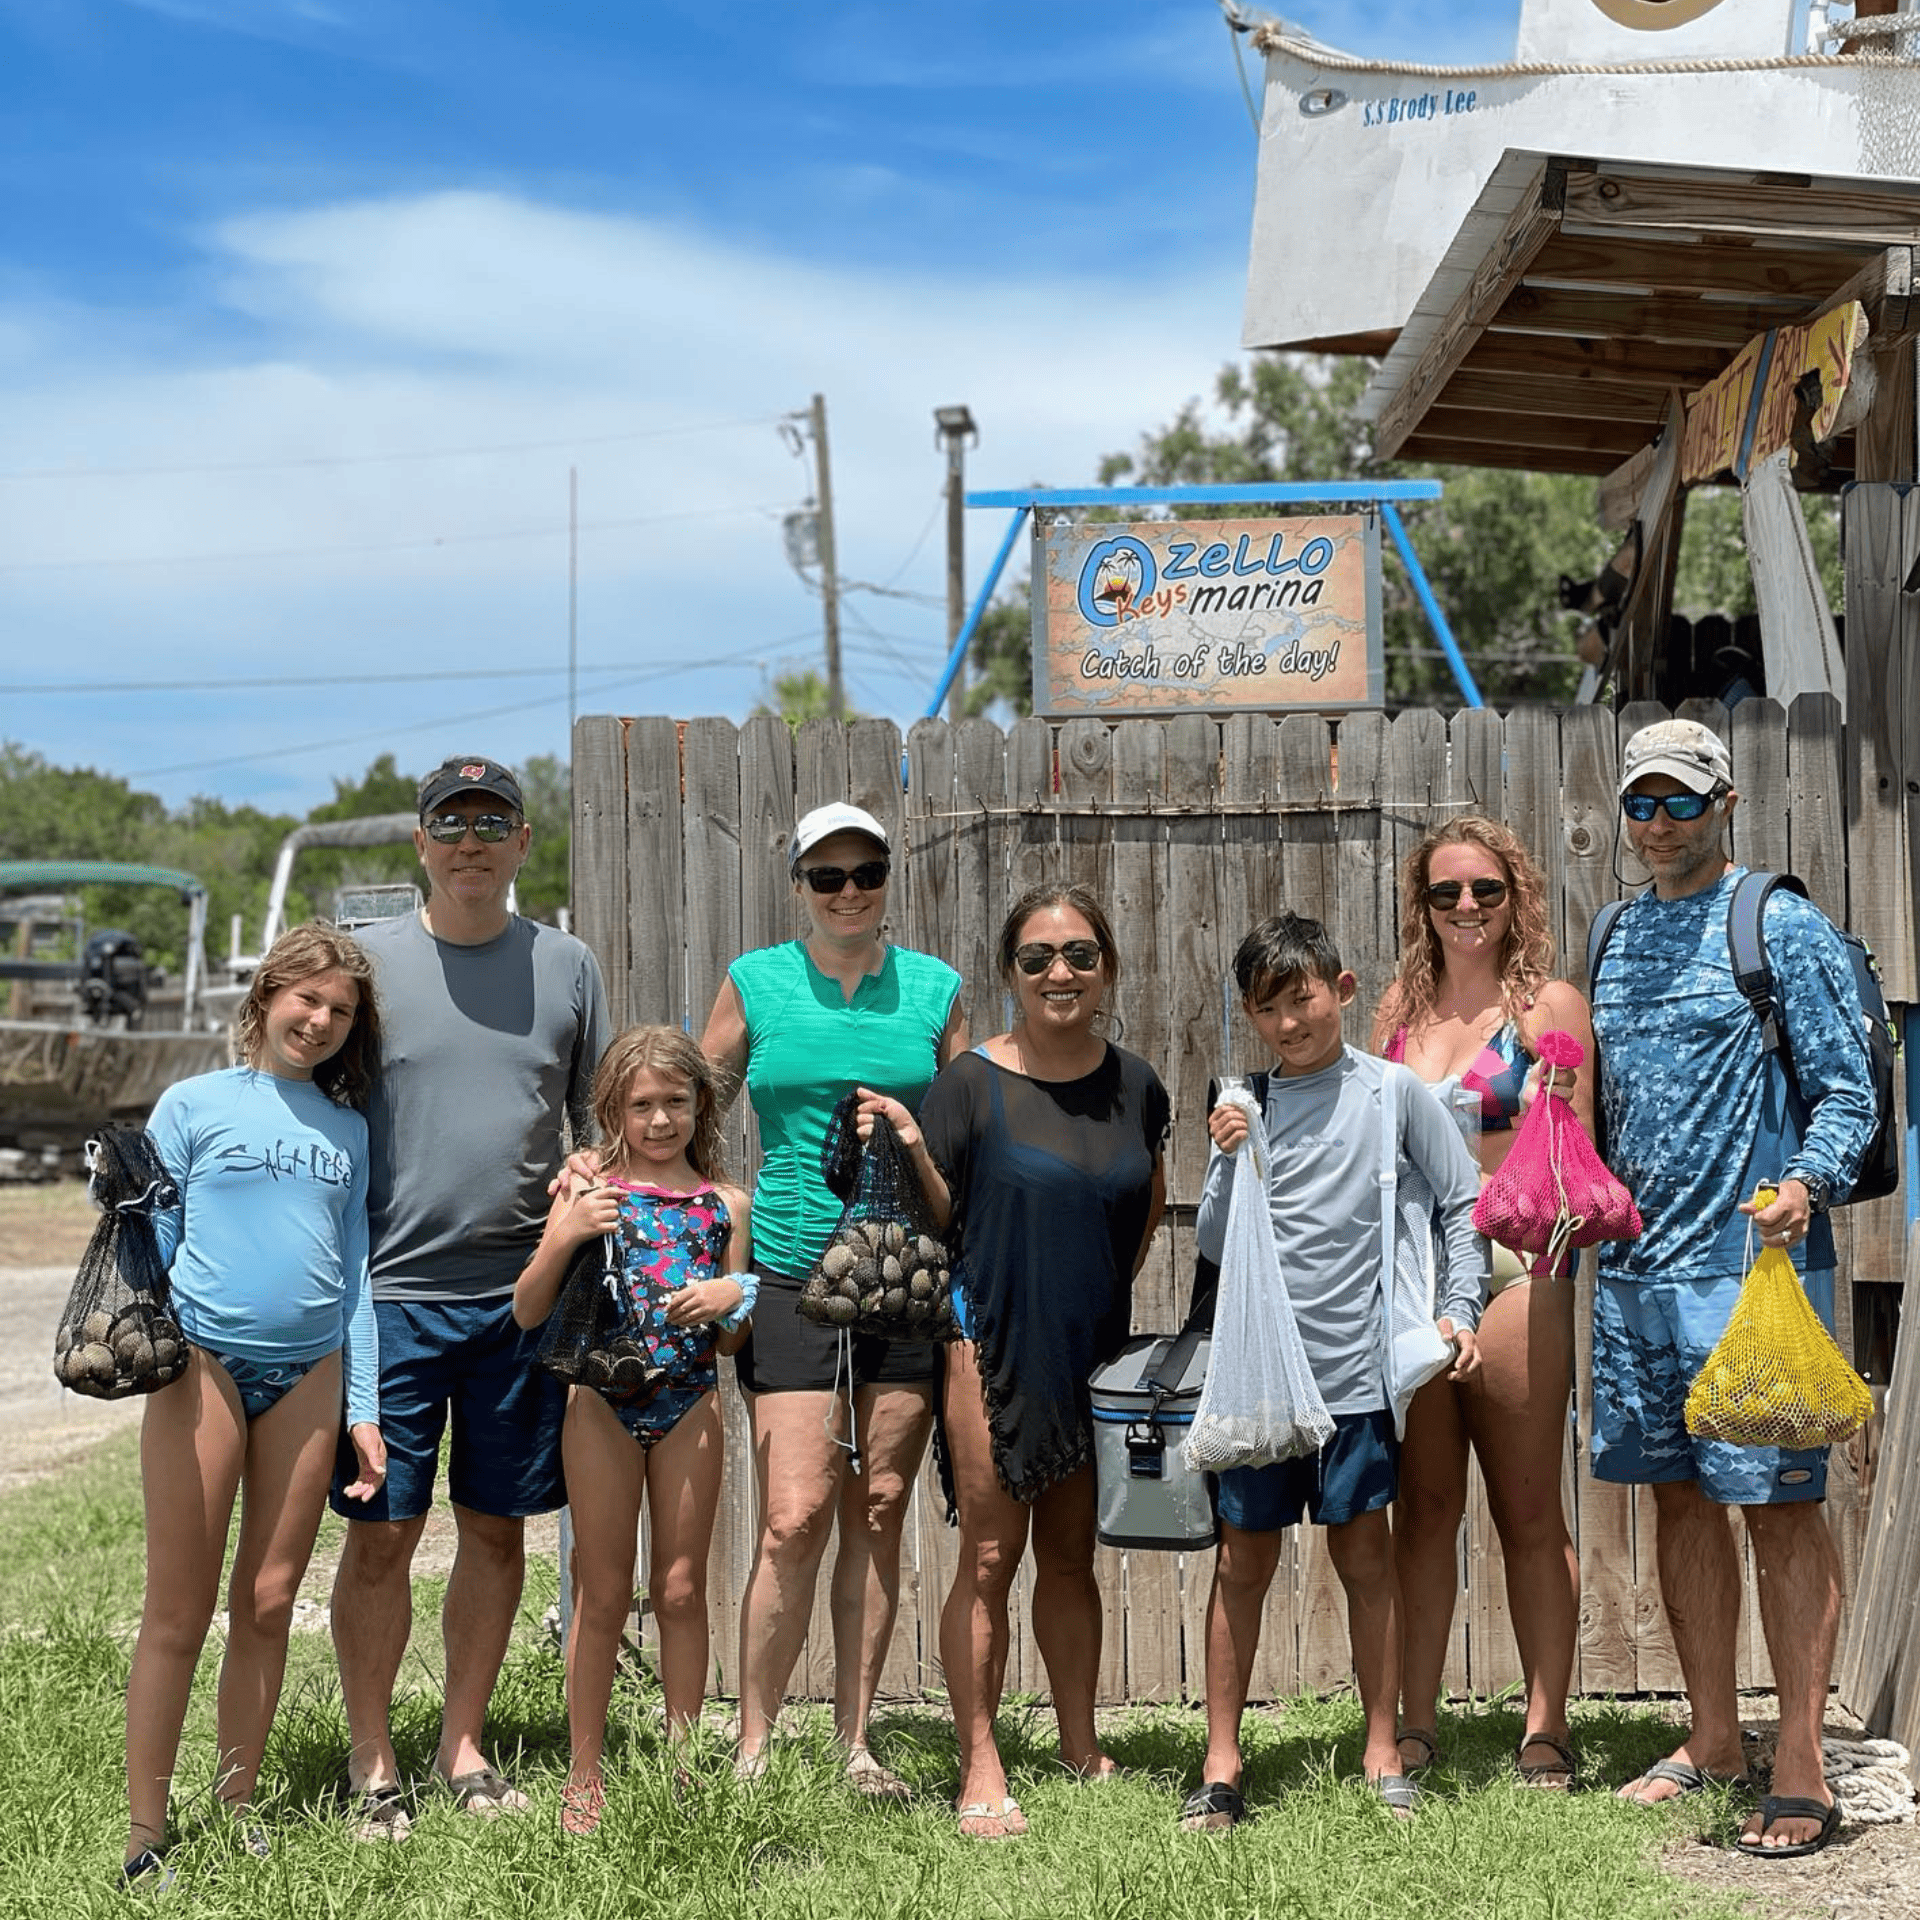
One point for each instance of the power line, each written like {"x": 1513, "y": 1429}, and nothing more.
{"x": 441, "y": 722}
{"x": 385, "y": 546}
{"x": 303, "y": 461}
{"x": 230, "y": 685}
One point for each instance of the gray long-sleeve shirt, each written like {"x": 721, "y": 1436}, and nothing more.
{"x": 1323, "y": 1134}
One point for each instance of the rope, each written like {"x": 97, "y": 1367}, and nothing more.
{"x": 1277, "y": 37}
{"x": 1869, "y": 1778}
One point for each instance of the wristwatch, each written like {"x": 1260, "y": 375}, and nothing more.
{"x": 1819, "y": 1190}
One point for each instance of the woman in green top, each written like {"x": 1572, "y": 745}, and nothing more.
{"x": 800, "y": 1024}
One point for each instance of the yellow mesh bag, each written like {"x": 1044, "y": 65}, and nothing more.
{"x": 1776, "y": 1379}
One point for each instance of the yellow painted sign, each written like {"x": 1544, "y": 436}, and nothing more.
{"x": 1747, "y": 413}
{"x": 1181, "y": 616}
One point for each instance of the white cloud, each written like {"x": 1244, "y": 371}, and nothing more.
{"x": 472, "y": 320}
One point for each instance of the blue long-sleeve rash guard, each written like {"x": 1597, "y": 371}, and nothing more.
{"x": 268, "y": 1246}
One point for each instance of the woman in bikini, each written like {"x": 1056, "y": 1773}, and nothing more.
{"x": 1473, "y": 994}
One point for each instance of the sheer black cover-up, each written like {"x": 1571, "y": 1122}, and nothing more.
{"x": 1052, "y": 1184}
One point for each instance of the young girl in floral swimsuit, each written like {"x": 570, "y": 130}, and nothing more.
{"x": 683, "y": 1249}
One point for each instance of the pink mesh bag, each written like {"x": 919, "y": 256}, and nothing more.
{"x": 1553, "y": 1191}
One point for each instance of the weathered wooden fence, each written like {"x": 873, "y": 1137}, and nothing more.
{"x": 1190, "y": 830}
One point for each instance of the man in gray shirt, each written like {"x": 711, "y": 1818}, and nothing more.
{"x": 493, "y": 1025}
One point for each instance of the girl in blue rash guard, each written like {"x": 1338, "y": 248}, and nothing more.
{"x": 268, "y": 1257}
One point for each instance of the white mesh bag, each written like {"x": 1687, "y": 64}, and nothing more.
{"x": 1259, "y": 1403}
{"x": 1416, "y": 1350}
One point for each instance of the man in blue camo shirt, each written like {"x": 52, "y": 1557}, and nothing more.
{"x": 1698, "y": 1116}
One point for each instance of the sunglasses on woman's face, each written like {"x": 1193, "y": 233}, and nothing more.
{"x": 1641, "y": 807}
{"x": 869, "y": 876}
{"x": 1083, "y": 956}
{"x": 449, "y": 829}
{"x": 1487, "y": 892}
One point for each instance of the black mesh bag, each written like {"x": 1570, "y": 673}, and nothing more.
{"x": 593, "y": 1337}
{"x": 886, "y": 1270}
{"x": 115, "y": 1336}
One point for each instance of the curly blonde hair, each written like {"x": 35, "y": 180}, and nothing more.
{"x": 1526, "y": 952}
{"x": 665, "y": 1050}
{"x": 300, "y": 953}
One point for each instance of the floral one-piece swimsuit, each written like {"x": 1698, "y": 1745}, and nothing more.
{"x": 667, "y": 1241}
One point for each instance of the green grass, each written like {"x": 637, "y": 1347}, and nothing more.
{"x": 794, "y": 1845}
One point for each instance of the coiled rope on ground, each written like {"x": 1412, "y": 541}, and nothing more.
{"x": 1869, "y": 1778}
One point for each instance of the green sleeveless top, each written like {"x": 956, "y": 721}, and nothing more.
{"x": 806, "y": 1045}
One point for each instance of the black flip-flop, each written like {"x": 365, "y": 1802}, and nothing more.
{"x": 1682, "y": 1774}
{"x": 1204, "y": 1808}
{"x": 1541, "y": 1772}
{"x": 1791, "y": 1806}
{"x": 1427, "y": 1739}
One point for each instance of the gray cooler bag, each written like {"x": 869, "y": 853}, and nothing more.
{"x": 1143, "y": 1405}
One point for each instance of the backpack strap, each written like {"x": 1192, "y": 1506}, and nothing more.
{"x": 1747, "y": 948}
{"x": 1598, "y": 934}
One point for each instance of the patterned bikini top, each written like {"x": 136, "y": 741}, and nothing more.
{"x": 1497, "y": 1074}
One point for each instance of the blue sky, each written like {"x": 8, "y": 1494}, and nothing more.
{"x": 307, "y": 308}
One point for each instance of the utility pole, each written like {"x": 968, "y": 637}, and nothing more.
{"x": 829, "y": 575}
{"x": 956, "y": 428}
{"x": 573, "y": 604}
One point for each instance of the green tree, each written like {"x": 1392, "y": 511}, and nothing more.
{"x": 546, "y": 881}
{"x": 74, "y": 813}
{"x": 797, "y": 697}
{"x": 1493, "y": 546}
{"x": 318, "y": 875}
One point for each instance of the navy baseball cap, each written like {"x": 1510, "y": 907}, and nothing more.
{"x": 469, "y": 773}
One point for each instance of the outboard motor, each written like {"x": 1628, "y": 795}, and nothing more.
{"x": 113, "y": 977}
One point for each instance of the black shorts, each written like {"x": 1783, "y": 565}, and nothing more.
{"x": 787, "y": 1353}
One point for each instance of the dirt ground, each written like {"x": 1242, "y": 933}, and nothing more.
{"x": 43, "y": 1231}
{"x": 1868, "y": 1873}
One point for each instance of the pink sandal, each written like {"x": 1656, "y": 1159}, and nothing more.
{"x": 581, "y": 1807}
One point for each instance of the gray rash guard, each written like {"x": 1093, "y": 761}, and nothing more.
{"x": 484, "y": 1050}
{"x": 1324, "y": 1132}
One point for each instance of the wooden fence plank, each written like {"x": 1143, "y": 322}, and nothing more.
{"x": 1601, "y": 1513}
{"x": 1883, "y": 628}
{"x": 1302, "y": 778}
{"x": 656, "y": 987}
{"x": 598, "y": 852}
{"x": 1194, "y": 942}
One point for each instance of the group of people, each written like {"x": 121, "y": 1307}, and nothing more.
{"x": 376, "y": 1221}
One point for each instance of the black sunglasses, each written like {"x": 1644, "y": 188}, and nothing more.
{"x": 1083, "y": 956}
{"x": 1641, "y": 807}
{"x": 869, "y": 876}
{"x": 449, "y": 829}
{"x": 1487, "y": 892}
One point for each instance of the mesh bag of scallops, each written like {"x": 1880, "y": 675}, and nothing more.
{"x": 885, "y": 1269}
{"x": 116, "y": 1336}
{"x": 594, "y": 1336}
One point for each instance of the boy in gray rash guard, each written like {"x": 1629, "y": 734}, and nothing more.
{"x": 1323, "y": 1128}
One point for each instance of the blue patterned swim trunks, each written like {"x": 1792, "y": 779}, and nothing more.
{"x": 1650, "y": 1340}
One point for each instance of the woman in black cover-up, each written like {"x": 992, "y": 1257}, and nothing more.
{"x": 1042, "y": 1147}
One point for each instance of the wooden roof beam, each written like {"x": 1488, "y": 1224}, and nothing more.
{"x": 1670, "y": 264}
{"x": 1533, "y": 221}
{"x": 1596, "y": 397}
{"x": 1858, "y": 214}
{"x": 1884, "y": 287}
{"x": 1680, "y": 321}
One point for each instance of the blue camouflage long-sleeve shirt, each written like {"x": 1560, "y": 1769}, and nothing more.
{"x": 1697, "y": 1114}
